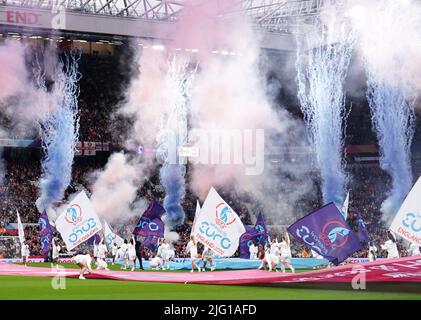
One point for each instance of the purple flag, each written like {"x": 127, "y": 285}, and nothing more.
{"x": 46, "y": 232}
{"x": 362, "y": 233}
{"x": 261, "y": 226}
{"x": 95, "y": 238}
{"x": 258, "y": 234}
{"x": 251, "y": 234}
{"x": 155, "y": 210}
{"x": 151, "y": 242}
{"x": 150, "y": 224}
{"x": 326, "y": 232}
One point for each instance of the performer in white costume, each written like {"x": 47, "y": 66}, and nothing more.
{"x": 208, "y": 256}
{"x": 123, "y": 254}
{"x": 114, "y": 250}
{"x": 101, "y": 256}
{"x": 315, "y": 255}
{"x": 271, "y": 259}
{"x": 95, "y": 252}
{"x": 414, "y": 249}
{"x": 391, "y": 247}
{"x": 274, "y": 246}
{"x": 253, "y": 251}
{"x": 372, "y": 252}
{"x": 84, "y": 262}
{"x": 191, "y": 248}
{"x": 156, "y": 263}
{"x": 163, "y": 249}
{"x": 131, "y": 253}
{"x": 25, "y": 253}
{"x": 286, "y": 256}
{"x": 56, "y": 252}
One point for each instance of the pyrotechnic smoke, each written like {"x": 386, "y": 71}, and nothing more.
{"x": 14, "y": 74}
{"x": 322, "y": 62}
{"x": 228, "y": 94}
{"x": 172, "y": 136}
{"x": 229, "y": 97}
{"x": 393, "y": 78}
{"x": 59, "y": 133}
{"x": 20, "y": 101}
{"x": 115, "y": 189}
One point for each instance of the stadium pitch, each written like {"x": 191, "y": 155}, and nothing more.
{"x": 35, "y": 288}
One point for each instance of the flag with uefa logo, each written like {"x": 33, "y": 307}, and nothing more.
{"x": 407, "y": 222}
{"x": 326, "y": 232}
{"x": 78, "y": 222}
{"x": 218, "y": 226}
{"x": 111, "y": 237}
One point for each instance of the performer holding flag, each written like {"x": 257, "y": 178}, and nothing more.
{"x": 285, "y": 248}
{"x": 372, "y": 252}
{"x": 131, "y": 253}
{"x": 114, "y": 250}
{"x": 25, "y": 253}
{"x": 192, "y": 249}
{"x": 163, "y": 249}
{"x": 390, "y": 246}
{"x": 207, "y": 256}
{"x": 253, "y": 250}
{"x": 326, "y": 232}
{"x": 56, "y": 252}
{"x": 101, "y": 256}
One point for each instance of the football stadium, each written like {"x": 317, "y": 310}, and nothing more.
{"x": 210, "y": 150}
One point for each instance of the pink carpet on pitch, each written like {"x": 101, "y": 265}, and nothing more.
{"x": 397, "y": 270}
{"x": 20, "y": 270}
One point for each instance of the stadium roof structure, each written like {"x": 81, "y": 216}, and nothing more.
{"x": 276, "y": 20}
{"x": 272, "y": 15}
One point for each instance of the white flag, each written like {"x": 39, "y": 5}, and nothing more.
{"x": 218, "y": 226}
{"x": 196, "y": 214}
{"x": 20, "y": 229}
{"x": 78, "y": 222}
{"x": 344, "y": 209}
{"x": 407, "y": 222}
{"x": 111, "y": 237}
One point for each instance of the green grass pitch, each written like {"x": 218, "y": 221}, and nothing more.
{"x": 15, "y": 287}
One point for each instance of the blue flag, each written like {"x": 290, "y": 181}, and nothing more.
{"x": 326, "y": 232}
{"x": 150, "y": 223}
{"x": 46, "y": 232}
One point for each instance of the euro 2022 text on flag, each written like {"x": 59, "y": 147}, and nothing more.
{"x": 326, "y": 232}
{"x": 111, "y": 237}
{"x": 78, "y": 222}
{"x": 407, "y": 222}
{"x": 150, "y": 223}
{"x": 218, "y": 226}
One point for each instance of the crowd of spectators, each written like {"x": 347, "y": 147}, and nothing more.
{"x": 20, "y": 190}
{"x": 100, "y": 93}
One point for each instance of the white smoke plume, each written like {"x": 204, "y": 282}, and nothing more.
{"x": 390, "y": 39}
{"x": 115, "y": 189}
{"x": 21, "y": 100}
{"x": 230, "y": 93}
